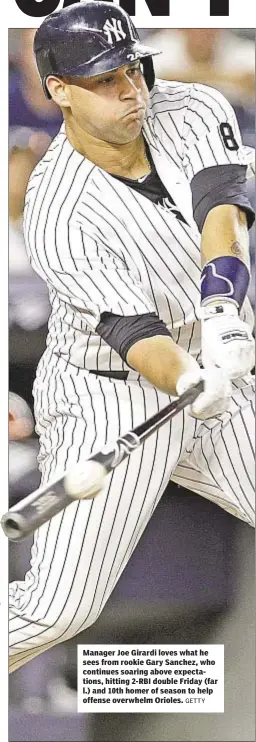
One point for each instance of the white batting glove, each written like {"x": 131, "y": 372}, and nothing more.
{"x": 227, "y": 341}
{"x": 216, "y": 395}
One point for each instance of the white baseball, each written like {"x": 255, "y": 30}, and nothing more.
{"x": 86, "y": 480}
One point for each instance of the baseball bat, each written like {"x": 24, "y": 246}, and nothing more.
{"x": 40, "y": 506}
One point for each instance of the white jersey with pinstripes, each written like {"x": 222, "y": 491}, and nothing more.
{"x": 102, "y": 246}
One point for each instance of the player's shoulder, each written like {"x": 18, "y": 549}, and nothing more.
{"x": 208, "y": 96}
{"x": 48, "y": 160}
{"x": 183, "y": 95}
{"x": 59, "y": 164}
{"x": 169, "y": 92}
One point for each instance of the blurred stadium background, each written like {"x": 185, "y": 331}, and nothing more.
{"x": 191, "y": 579}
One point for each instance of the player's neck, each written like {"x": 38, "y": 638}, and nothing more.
{"x": 127, "y": 160}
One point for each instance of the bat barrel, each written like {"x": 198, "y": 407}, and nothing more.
{"x": 40, "y": 506}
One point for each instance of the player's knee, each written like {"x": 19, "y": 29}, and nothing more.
{"x": 61, "y": 621}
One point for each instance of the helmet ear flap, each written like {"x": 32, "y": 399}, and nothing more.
{"x": 148, "y": 71}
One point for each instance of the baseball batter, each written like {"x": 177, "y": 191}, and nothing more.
{"x": 137, "y": 218}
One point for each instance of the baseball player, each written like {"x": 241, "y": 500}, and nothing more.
{"x": 137, "y": 218}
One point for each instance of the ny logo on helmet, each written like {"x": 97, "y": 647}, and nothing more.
{"x": 114, "y": 29}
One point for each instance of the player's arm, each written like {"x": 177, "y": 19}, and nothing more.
{"x": 216, "y": 165}
{"x": 229, "y": 222}
{"x": 227, "y": 340}
{"x": 145, "y": 344}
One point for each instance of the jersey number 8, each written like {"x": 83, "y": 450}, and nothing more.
{"x": 228, "y": 136}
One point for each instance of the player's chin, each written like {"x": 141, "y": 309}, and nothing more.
{"x": 131, "y": 131}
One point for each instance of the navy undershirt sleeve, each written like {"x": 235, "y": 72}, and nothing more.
{"x": 220, "y": 185}
{"x": 123, "y": 332}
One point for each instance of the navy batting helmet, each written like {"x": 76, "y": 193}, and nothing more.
{"x": 87, "y": 39}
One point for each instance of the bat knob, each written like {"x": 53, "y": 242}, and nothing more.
{"x": 13, "y": 525}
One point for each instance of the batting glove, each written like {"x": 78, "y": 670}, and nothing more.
{"x": 227, "y": 341}
{"x": 217, "y": 392}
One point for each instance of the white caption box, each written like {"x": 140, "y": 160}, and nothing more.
{"x": 130, "y": 678}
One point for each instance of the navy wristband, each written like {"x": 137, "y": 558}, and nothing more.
{"x": 225, "y": 277}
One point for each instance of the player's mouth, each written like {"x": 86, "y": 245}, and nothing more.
{"x": 135, "y": 111}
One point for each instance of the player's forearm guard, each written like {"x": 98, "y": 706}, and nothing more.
{"x": 225, "y": 277}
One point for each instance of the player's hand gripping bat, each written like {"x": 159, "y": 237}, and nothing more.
{"x": 87, "y": 479}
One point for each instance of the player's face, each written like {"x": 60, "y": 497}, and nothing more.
{"x": 111, "y": 106}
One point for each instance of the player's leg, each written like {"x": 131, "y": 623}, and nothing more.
{"x": 220, "y": 463}
{"x": 79, "y": 555}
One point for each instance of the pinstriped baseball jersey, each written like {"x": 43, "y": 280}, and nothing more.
{"x": 102, "y": 246}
